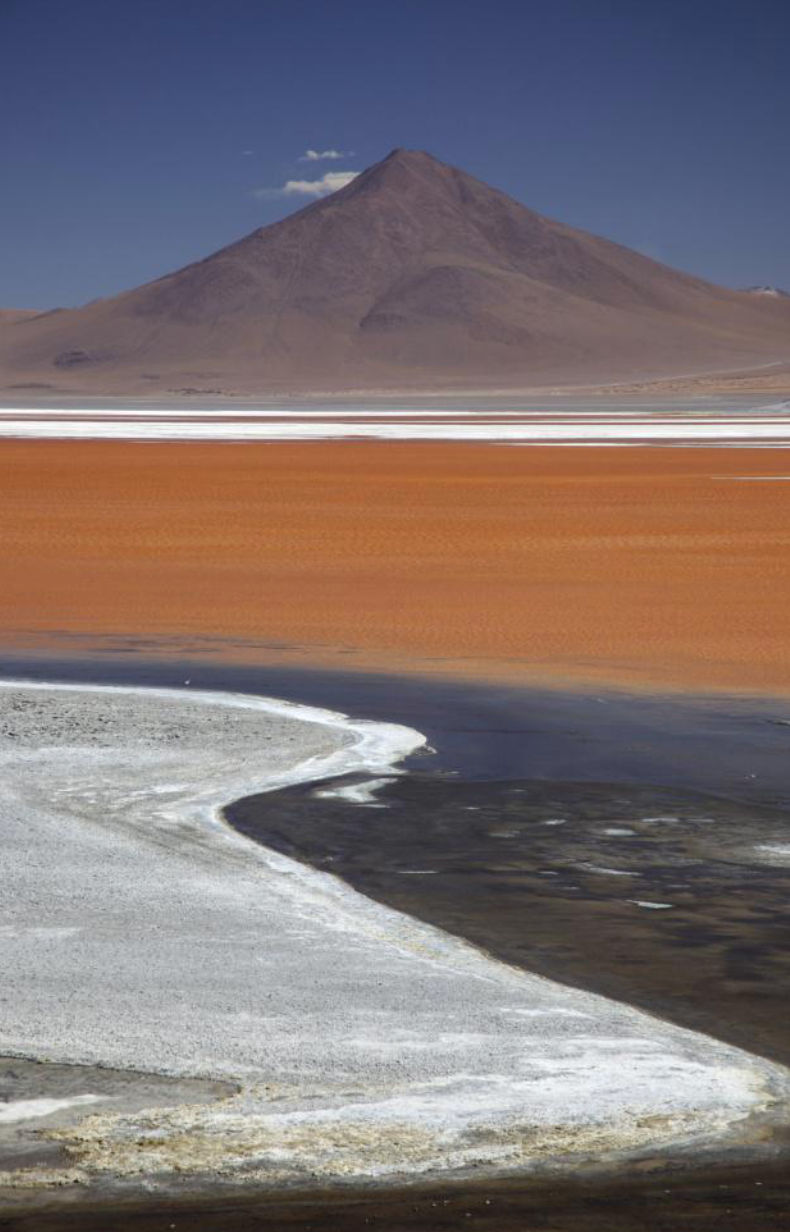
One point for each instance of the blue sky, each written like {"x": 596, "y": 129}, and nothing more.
{"x": 136, "y": 136}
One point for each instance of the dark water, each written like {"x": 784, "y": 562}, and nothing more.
{"x": 655, "y": 896}
{"x": 463, "y": 841}
{"x": 735, "y": 747}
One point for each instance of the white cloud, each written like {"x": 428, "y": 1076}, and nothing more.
{"x": 318, "y": 156}
{"x": 329, "y": 183}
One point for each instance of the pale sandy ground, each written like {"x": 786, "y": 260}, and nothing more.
{"x": 770, "y": 378}
{"x": 139, "y": 932}
{"x": 640, "y": 566}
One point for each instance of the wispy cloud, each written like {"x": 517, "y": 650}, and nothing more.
{"x": 329, "y": 183}
{"x": 319, "y": 156}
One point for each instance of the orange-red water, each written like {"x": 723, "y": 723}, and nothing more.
{"x": 643, "y": 566}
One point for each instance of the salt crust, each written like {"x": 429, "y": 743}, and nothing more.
{"x": 692, "y": 422}
{"x": 141, "y": 932}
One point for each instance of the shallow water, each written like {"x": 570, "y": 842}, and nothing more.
{"x": 659, "y": 897}
{"x": 737, "y": 747}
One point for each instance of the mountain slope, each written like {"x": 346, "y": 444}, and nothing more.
{"x": 415, "y": 274}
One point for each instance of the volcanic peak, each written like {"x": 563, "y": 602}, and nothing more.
{"x": 414, "y": 274}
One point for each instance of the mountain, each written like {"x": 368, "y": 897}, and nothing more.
{"x": 414, "y": 275}
{"x": 9, "y": 315}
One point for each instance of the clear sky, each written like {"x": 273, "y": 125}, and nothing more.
{"x": 137, "y": 134}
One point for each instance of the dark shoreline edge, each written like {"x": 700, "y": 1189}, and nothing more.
{"x": 493, "y": 733}
{"x": 657, "y": 1196}
{"x": 479, "y": 861}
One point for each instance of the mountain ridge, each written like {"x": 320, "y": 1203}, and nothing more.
{"x": 413, "y": 274}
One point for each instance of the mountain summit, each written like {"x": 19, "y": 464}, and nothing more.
{"x": 413, "y": 275}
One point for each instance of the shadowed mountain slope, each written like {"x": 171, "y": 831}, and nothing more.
{"x": 413, "y": 275}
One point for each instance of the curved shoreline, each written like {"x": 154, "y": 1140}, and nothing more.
{"x": 449, "y": 1049}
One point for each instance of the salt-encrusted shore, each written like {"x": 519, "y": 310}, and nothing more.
{"x": 140, "y": 932}
{"x": 517, "y": 421}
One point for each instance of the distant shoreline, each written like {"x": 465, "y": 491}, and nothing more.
{"x": 772, "y": 377}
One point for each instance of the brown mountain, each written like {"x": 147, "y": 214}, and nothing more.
{"x": 414, "y": 275}
{"x": 13, "y": 315}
